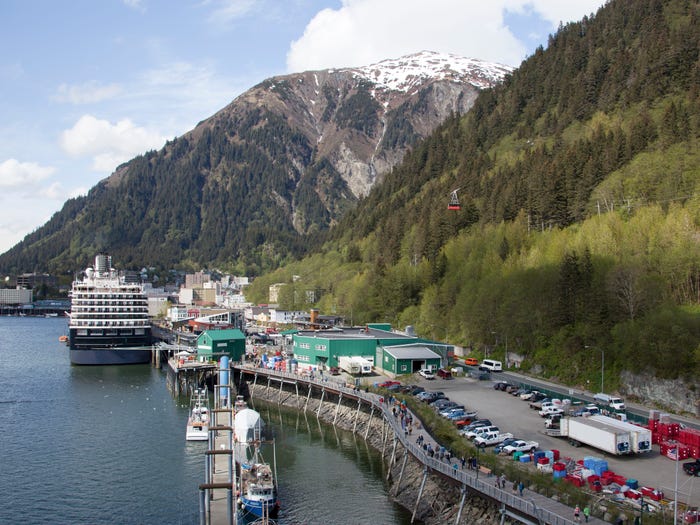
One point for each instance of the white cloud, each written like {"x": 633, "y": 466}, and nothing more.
{"x": 87, "y": 93}
{"x": 361, "y": 32}
{"x": 365, "y": 31}
{"x": 556, "y": 11}
{"x": 19, "y": 175}
{"x": 108, "y": 144}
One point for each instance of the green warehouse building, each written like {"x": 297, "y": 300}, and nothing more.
{"x": 395, "y": 353}
{"x": 213, "y": 344}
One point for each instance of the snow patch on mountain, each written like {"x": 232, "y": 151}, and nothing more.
{"x": 408, "y": 72}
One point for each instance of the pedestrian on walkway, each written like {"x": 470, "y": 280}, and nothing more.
{"x": 577, "y": 513}
{"x": 586, "y": 512}
{"x": 503, "y": 481}
{"x": 515, "y": 486}
{"x": 521, "y": 486}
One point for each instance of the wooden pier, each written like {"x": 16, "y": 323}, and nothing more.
{"x": 218, "y": 501}
{"x": 186, "y": 373}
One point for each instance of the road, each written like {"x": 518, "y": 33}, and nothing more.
{"x": 633, "y": 408}
{"x": 511, "y": 414}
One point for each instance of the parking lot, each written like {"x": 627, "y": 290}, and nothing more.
{"x": 513, "y": 415}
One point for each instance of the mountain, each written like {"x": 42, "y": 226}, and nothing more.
{"x": 579, "y": 228}
{"x": 259, "y": 181}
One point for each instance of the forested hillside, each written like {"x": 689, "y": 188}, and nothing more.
{"x": 579, "y": 230}
{"x": 260, "y": 181}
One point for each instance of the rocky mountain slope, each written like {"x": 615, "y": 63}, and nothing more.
{"x": 258, "y": 180}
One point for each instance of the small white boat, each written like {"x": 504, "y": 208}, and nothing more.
{"x": 198, "y": 420}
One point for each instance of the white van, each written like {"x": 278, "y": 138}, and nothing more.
{"x": 490, "y": 364}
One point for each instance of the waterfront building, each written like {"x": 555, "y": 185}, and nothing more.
{"x": 215, "y": 343}
{"x": 394, "y": 352}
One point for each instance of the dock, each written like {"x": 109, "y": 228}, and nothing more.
{"x": 185, "y": 372}
{"x": 217, "y": 495}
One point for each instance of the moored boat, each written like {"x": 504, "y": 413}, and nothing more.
{"x": 258, "y": 497}
{"x": 109, "y": 323}
{"x": 198, "y": 419}
{"x": 256, "y": 477}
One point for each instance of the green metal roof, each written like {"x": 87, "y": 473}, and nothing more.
{"x": 219, "y": 335}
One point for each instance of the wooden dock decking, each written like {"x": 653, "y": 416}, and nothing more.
{"x": 531, "y": 508}
{"x": 217, "y": 493}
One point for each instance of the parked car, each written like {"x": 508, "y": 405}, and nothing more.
{"x": 536, "y": 397}
{"x": 426, "y": 395}
{"x": 473, "y": 426}
{"x": 550, "y": 411}
{"x": 426, "y": 373}
{"x": 692, "y": 468}
{"x": 501, "y": 385}
{"x": 444, "y": 404}
{"x": 388, "y": 383}
{"x": 471, "y": 361}
{"x": 521, "y": 446}
{"x": 444, "y": 374}
{"x": 481, "y": 431}
{"x": 454, "y": 414}
{"x": 429, "y": 396}
{"x": 491, "y": 438}
{"x": 463, "y": 421}
{"x": 499, "y": 448}
{"x": 452, "y": 409}
{"x": 540, "y": 403}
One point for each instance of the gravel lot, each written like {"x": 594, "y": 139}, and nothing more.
{"x": 511, "y": 414}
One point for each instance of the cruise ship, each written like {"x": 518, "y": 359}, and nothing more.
{"x": 109, "y": 322}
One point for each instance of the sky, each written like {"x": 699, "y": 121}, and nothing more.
{"x": 86, "y": 86}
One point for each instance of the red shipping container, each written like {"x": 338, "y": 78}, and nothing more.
{"x": 543, "y": 461}
{"x": 689, "y": 436}
{"x": 556, "y": 454}
{"x": 558, "y": 466}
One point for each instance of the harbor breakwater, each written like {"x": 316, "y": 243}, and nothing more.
{"x": 431, "y": 496}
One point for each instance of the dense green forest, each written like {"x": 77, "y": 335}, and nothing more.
{"x": 579, "y": 180}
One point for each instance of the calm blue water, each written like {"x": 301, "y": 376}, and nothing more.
{"x": 106, "y": 445}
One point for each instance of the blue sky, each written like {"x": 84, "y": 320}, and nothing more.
{"x": 86, "y": 85}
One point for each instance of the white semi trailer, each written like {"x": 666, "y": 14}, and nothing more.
{"x": 600, "y": 435}
{"x": 355, "y": 365}
{"x": 640, "y": 437}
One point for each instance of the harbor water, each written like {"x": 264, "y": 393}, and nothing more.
{"x": 106, "y": 445}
